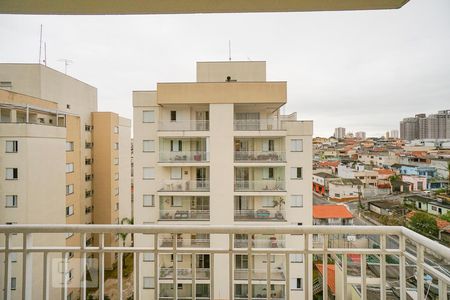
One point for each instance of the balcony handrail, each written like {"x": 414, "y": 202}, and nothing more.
{"x": 182, "y": 125}
{"x": 260, "y": 155}
{"x": 184, "y": 156}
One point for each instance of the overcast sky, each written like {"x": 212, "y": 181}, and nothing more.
{"x": 359, "y": 70}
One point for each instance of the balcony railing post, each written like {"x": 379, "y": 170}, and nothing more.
{"x": 101, "y": 266}
{"x": 325, "y": 268}
{"x": 250, "y": 266}
{"x": 120, "y": 275}
{"x": 175, "y": 266}
{"x": 64, "y": 258}
{"x": 344, "y": 276}
{"x": 83, "y": 266}
{"x": 306, "y": 268}
{"x": 45, "y": 278}
{"x": 7, "y": 268}
{"x": 27, "y": 271}
{"x": 155, "y": 263}
{"x": 194, "y": 275}
{"x": 211, "y": 275}
{"x": 286, "y": 277}
{"x": 402, "y": 246}
{"x": 442, "y": 290}
{"x": 269, "y": 271}
{"x": 420, "y": 278}
{"x": 363, "y": 277}
{"x": 230, "y": 266}
{"x": 383, "y": 267}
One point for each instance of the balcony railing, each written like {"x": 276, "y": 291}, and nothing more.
{"x": 421, "y": 264}
{"x": 257, "y": 125}
{"x": 184, "y": 125}
{"x": 262, "y": 214}
{"x": 185, "y": 273}
{"x": 259, "y": 186}
{"x": 276, "y": 274}
{"x": 260, "y": 243}
{"x": 182, "y": 215}
{"x": 185, "y": 186}
{"x": 183, "y": 156}
{"x": 259, "y": 156}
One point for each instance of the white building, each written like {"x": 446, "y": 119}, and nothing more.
{"x": 339, "y": 133}
{"x": 218, "y": 152}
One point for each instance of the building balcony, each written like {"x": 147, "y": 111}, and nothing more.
{"x": 184, "y": 157}
{"x": 184, "y": 125}
{"x": 380, "y": 262}
{"x": 185, "y": 186}
{"x": 257, "y": 125}
{"x": 259, "y": 186}
{"x": 276, "y": 274}
{"x": 260, "y": 241}
{"x": 185, "y": 241}
{"x": 185, "y": 273}
{"x": 262, "y": 214}
{"x": 183, "y": 215}
{"x": 259, "y": 156}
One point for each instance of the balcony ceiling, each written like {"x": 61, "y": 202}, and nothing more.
{"x": 103, "y": 7}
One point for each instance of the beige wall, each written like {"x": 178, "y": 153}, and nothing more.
{"x": 222, "y": 92}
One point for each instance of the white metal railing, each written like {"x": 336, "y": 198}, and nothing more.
{"x": 261, "y": 214}
{"x": 412, "y": 251}
{"x": 257, "y": 125}
{"x": 260, "y": 156}
{"x": 185, "y": 186}
{"x": 181, "y": 214}
{"x": 183, "y": 156}
{"x": 259, "y": 185}
{"x": 184, "y": 125}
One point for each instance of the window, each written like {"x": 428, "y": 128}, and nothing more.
{"x": 116, "y": 191}
{"x": 148, "y": 146}
{"x": 148, "y": 256}
{"x": 69, "y": 189}
{"x": 148, "y": 200}
{"x": 267, "y": 201}
{"x": 116, "y": 160}
{"x": 176, "y": 145}
{"x": 176, "y": 202}
{"x": 88, "y": 161}
{"x": 116, "y": 146}
{"x": 12, "y": 174}
{"x": 69, "y": 146}
{"x": 296, "y": 173}
{"x": 148, "y": 116}
{"x": 296, "y": 200}
{"x": 296, "y": 145}
{"x": 268, "y": 145}
{"x": 116, "y": 129}
{"x": 268, "y": 173}
{"x": 11, "y": 146}
{"x": 69, "y": 210}
{"x": 5, "y": 84}
{"x": 148, "y": 173}
{"x": 88, "y": 145}
{"x": 13, "y": 283}
{"x": 173, "y": 115}
{"x": 88, "y": 177}
{"x": 296, "y": 258}
{"x": 175, "y": 173}
{"x": 69, "y": 168}
{"x": 11, "y": 201}
{"x": 116, "y": 176}
{"x": 297, "y": 283}
{"x": 148, "y": 282}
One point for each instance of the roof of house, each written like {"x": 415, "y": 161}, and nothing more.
{"x": 347, "y": 181}
{"x": 325, "y": 175}
{"x": 331, "y": 280}
{"x": 384, "y": 204}
{"x": 328, "y": 163}
{"x": 419, "y": 198}
{"x": 385, "y": 172}
{"x": 441, "y": 204}
{"x": 331, "y": 212}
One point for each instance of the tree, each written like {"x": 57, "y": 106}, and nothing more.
{"x": 424, "y": 223}
{"x": 123, "y": 235}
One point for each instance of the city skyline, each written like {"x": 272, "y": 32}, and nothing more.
{"x": 366, "y": 83}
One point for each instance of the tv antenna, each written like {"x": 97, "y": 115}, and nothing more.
{"x": 67, "y": 62}
{"x": 40, "y": 45}
{"x": 229, "y": 50}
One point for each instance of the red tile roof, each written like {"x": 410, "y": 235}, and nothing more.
{"x": 385, "y": 172}
{"x": 329, "y": 163}
{"x": 331, "y": 278}
{"x": 331, "y": 212}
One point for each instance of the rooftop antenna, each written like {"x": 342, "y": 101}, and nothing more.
{"x": 229, "y": 50}
{"x": 40, "y": 45}
{"x": 66, "y": 63}
{"x": 45, "y": 54}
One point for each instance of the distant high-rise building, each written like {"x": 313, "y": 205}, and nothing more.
{"x": 395, "y": 134}
{"x": 435, "y": 126}
{"x": 339, "y": 133}
{"x": 360, "y": 135}
{"x": 386, "y": 135}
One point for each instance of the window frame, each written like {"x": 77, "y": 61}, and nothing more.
{"x": 153, "y": 175}
{"x": 291, "y": 197}
{"x": 15, "y": 146}
{"x": 14, "y": 201}
{"x": 150, "y": 113}
{"x": 150, "y": 145}
{"x": 294, "y": 145}
{"x": 152, "y": 200}
{"x": 15, "y": 173}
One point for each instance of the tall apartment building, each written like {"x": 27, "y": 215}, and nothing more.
{"x": 218, "y": 152}
{"x": 360, "y": 135}
{"x": 48, "y": 117}
{"x": 339, "y": 133}
{"x": 435, "y": 126}
{"x": 395, "y": 134}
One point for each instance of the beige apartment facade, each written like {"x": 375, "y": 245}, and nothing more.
{"x": 218, "y": 152}
{"x": 74, "y": 105}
